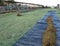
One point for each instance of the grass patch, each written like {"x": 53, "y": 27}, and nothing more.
{"x": 13, "y": 27}
{"x": 58, "y": 13}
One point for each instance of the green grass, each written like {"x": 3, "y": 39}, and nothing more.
{"x": 13, "y": 27}
{"x": 58, "y": 13}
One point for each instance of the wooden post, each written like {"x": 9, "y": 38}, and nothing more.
{"x": 18, "y": 11}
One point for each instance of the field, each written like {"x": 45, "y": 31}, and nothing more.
{"x": 13, "y": 27}
{"x": 58, "y": 13}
